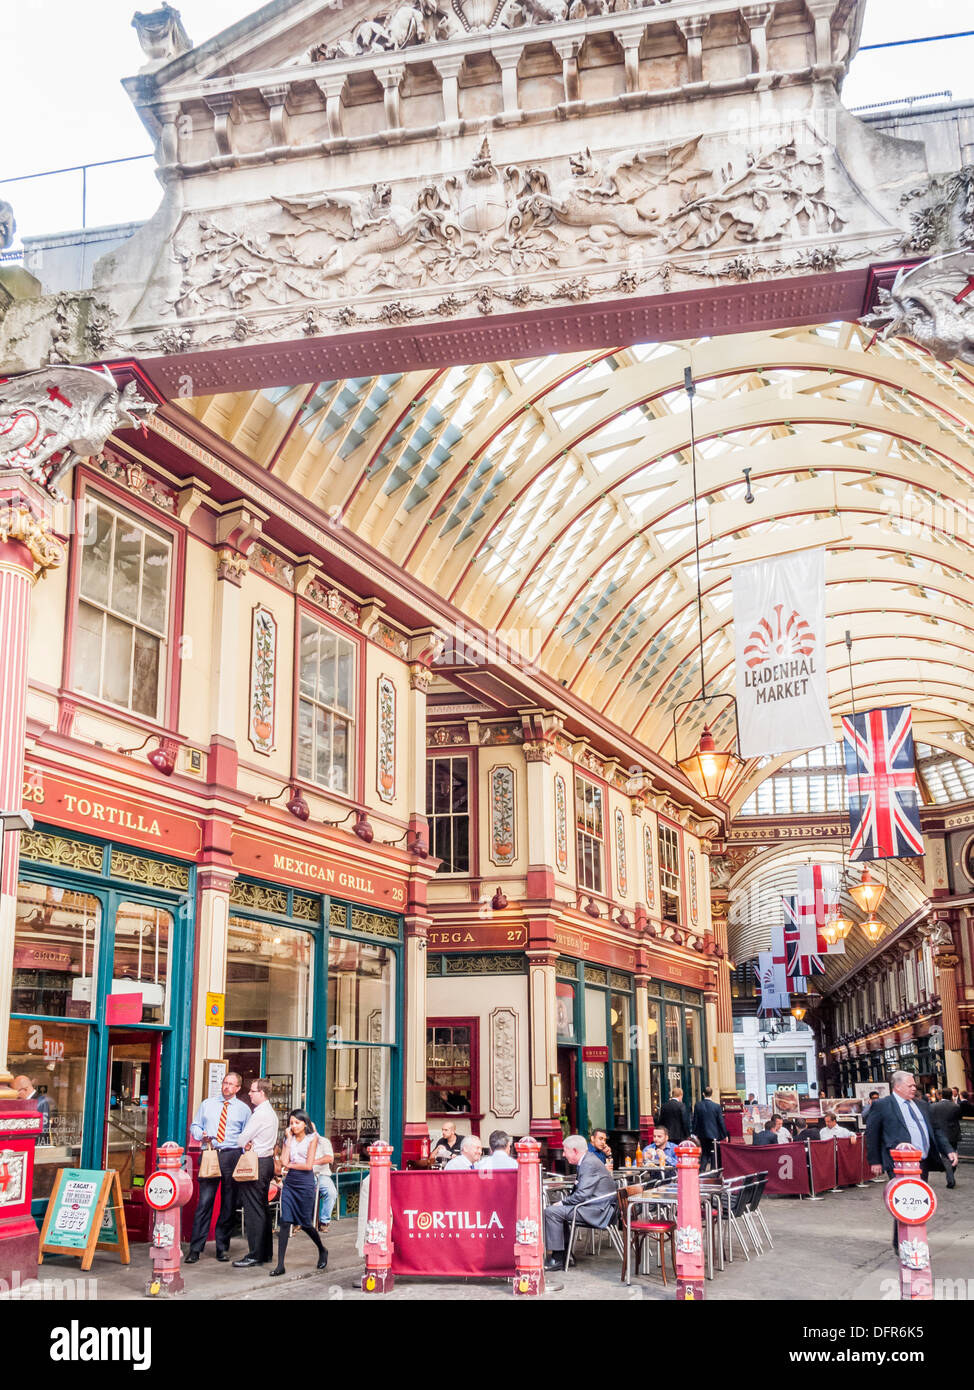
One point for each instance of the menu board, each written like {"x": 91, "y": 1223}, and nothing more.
{"x": 85, "y": 1211}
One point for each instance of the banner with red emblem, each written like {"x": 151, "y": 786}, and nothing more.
{"x": 454, "y": 1223}
{"x": 779, "y": 638}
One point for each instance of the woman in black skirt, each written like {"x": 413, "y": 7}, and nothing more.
{"x": 300, "y": 1189}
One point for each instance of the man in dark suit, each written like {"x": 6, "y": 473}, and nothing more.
{"x": 594, "y": 1182}
{"x": 945, "y": 1114}
{"x": 708, "y": 1125}
{"x": 766, "y": 1135}
{"x": 673, "y": 1115}
{"x": 900, "y": 1118}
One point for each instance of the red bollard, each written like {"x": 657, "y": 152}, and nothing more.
{"x": 167, "y": 1190}
{"x": 378, "y": 1276}
{"x": 912, "y": 1203}
{"x": 528, "y": 1234}
{"x": 689, "y": 1231}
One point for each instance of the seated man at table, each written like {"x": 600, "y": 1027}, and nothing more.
{"x": 768, "y": 1135}
{"x": 594, "y": 1187}
{"x": 599, "y": 1146}
{"x": 831, "y": 1129}
{"x": 469, "y": 1156}
{"x": 659, "y": 1153}
{"x": 448, "y": 1145}
{"x": 500, "y": 1155}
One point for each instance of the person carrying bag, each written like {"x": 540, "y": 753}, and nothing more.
{"x": 253, "y": 1175}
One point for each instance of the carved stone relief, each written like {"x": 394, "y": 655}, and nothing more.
{"x": 586, "y": 211}
{"x": 503, "y": 1063}
{"x": 415, "y": 22}
{"x": 933, "y": 305}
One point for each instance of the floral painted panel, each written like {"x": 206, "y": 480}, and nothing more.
{"x": 561, "y": 824}
{"x": 622, "y": 875}
{"x": 263, "y": 669}
{"x": 386, "y": 746}
{"x": 692, "y": 879}
{"x": 502, "y": 815}
{"x": 650, "y": 875}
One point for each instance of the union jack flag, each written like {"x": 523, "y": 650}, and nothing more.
{"x": 801, "y": 945}
{"x": 884, "y": 818}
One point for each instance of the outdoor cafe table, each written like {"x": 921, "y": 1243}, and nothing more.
{"x": 711, "y": 1198}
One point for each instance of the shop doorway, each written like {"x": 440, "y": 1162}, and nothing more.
{"x": 568, "y": 1072}
{"x": 132, "y": 1119}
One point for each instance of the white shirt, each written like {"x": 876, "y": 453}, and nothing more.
{"x": 913, "y": 1119}
{"x": 261, "y": 1130}
{"x": 498, "y": 1159}
{"x": 461, "y": 1161}
{"x": 836, "y": 1132}
{"x": 324, "y": 1156}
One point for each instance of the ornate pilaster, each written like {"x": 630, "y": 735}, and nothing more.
{"x": 543, "y": 1024}
{"x": 946, "y": 960}
{"x": 213, "y": 883}
{"x": 28, "y": 549}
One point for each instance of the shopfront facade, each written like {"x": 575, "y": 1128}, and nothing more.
{"x": 101, "y": 1004}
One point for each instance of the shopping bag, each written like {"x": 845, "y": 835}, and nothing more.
{"x": 247, "y": 1168}
{"x": 209, "y": 1164}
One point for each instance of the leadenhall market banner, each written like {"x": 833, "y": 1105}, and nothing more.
{"x": 779, "y": 638}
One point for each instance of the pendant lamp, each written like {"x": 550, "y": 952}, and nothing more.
{"x": 868, "y": 893}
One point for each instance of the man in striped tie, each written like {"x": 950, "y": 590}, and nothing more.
{"x": 218, "y": 1122}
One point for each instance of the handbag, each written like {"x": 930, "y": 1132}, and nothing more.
{"x": 247, "y": 1169}
{"x": 209, "y": 1164}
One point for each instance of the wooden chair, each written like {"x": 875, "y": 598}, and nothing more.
{"x": 653, "y": 1228}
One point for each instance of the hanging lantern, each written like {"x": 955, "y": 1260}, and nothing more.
{"x": 837, "y": 928}
{"x": 873, "y": 928}
{"x": 868, "y": 894}
{"x": 710, "y": 772}
{"x": 799, "y": 1007}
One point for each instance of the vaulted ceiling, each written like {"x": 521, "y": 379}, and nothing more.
{"x": 551, "y": 499}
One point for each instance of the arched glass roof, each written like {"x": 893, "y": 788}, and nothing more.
{"x": 551, "y": 499}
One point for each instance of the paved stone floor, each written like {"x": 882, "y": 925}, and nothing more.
{"x": 836, "y": 1249}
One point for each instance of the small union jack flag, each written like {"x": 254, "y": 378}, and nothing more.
{"x": 884, "y": 818}
{"x": 801, "y": 945}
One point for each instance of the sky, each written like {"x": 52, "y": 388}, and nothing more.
{"x": 61, "y": 102}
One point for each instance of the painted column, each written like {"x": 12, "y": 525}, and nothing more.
{"x": 541, "y": 818}
{"x": 724, "y": 1035}
{"x": 710, "y": 998}
{"x": 27, "y": 552}
{"x": 946, "y": 963}
{"x": 235, "y": 535}
{"x": 644, "y": 1074}
{"x": 542, "y": 954}
{"x": 213, "y": 884}
{"x": 415, "y": 1128}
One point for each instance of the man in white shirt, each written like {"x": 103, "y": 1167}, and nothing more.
{"x": 500, "y": 1155}
{"x": 328, "y": 1193}
{"x": 781, "y": 1131}
{"x": 831, "y": 1129}
{"x": 260, "y": 1134}
{"x": 468, "y": 1157}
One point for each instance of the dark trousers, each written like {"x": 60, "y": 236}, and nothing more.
{"x": 209, "y": 1187}
{"x": 557, "y": 1223}
{"x": 257, "y": 1214}
{"x": 707, "y": 1155}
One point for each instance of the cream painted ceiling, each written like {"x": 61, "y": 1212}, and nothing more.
{"x": 551, "y": 499}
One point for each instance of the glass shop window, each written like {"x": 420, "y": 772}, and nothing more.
{"x": 53, "y": 1059}
{"x": 669, "y": 873}
{"x": 141, "y": 964}
{"x": 55, "y": 951}
{"x": 450, "y": 1055}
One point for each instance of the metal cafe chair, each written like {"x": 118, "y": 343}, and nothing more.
{"x": 754, "y": 1212}
{"x": 736, "y": 1196}
{"x": 635, "y": 1233}
{"x": 612, "y": 1230}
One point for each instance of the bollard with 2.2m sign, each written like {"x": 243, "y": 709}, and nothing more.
{"x": 912, "y": 1203}
{"x": 167, "y": 1191}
